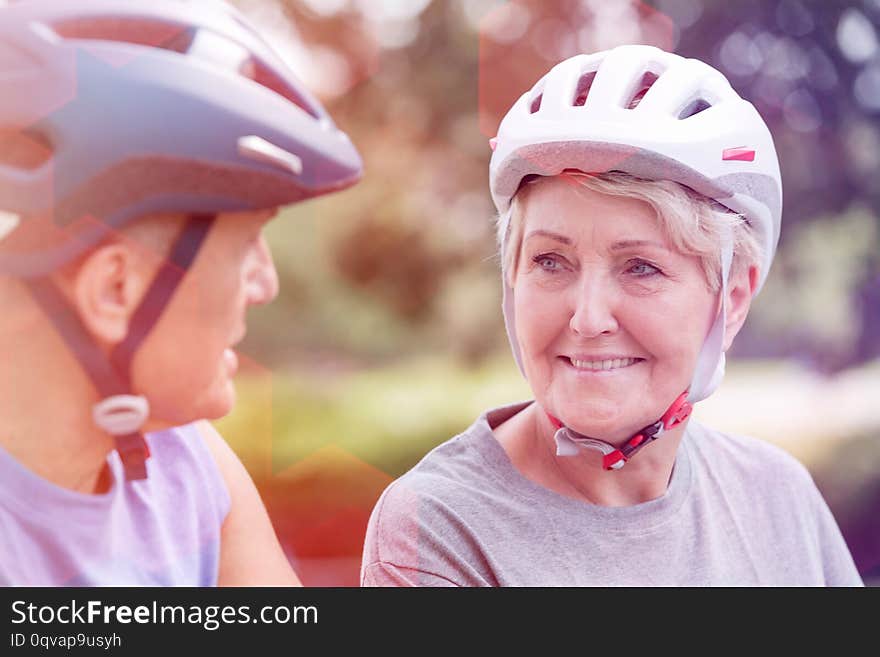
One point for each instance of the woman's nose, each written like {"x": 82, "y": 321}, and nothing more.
{"x": 593, "y": 308}
{"x": 262, "y": 278}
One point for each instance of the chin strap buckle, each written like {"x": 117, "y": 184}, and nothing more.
{"x": 614, "y": 458}
{"x": 123, "y": 416}
{"x": 676, "y": 414}
{"x": 680, "y": 411}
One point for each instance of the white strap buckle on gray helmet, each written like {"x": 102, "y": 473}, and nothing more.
{"x": 121, "y": 415}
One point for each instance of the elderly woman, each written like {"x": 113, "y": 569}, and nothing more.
{"x": 640, "y": 202}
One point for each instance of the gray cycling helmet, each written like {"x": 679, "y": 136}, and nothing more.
{"x": 114, "y": 109}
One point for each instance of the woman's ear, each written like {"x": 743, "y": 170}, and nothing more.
{"x": 107, "y": 288}
{"x": 740, "y": 290}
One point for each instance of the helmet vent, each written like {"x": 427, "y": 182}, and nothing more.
{"x": 255, "y": 69}
{"x": 24, "y": 149}
{"x": 583, "y": 88}
{"x": 645, "y": 84}
{"x": 156, "y": 34}
{"x": 536, "y": 103}
{"x": 694, "y": 107}
{"x": 168, "y": 36}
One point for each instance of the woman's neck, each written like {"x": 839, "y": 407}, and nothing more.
{"x": 527, "y": 437}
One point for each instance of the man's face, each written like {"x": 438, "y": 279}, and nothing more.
{"x": 186, "y": 365}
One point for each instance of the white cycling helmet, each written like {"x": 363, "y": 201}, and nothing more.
{"x": 688, "y": 125}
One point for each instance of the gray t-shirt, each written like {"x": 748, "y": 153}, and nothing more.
{"x": 737, "y": 512}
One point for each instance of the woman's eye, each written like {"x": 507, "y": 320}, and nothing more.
{"x": 642, "y": 268}
{"x": 546, "y": 262}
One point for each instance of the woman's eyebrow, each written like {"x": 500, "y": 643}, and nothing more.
{"x": 548, "y": 233}
{"x": 628, "y": 244}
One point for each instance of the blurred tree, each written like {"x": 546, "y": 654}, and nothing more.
{"x": 394, "y": 261}
{"x": 421, "y": 85}
{"x": 811, "y": 69}
{"x": 403, "y": 266}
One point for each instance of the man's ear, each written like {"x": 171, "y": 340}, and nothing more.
{"x": 740, "y": 290}
{"x": 107, "y": 288}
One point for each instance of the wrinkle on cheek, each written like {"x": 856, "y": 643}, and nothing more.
{"x": 647, "y": 289}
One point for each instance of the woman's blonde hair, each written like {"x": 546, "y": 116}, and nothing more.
{"x": 692, "y": 223}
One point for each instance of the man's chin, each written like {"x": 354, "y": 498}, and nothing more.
{"x": 222, "y": 405}
{"x": 214, "y": 407}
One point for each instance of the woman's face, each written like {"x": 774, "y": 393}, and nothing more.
{"x": 609, "y": 316}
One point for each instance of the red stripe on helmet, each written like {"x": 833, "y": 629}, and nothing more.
{"x": 739, "y": 153}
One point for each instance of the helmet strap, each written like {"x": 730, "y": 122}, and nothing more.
{"x": 161, "y": 290}
{"x": 569, "y": 442}
{"x": 709, "y": 370}
{"x": 120, "y": 413}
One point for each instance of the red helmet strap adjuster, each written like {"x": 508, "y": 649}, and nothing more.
{"x": 613, "y": 457}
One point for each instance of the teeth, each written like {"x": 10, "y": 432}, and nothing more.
{"x": 603, "y": 364}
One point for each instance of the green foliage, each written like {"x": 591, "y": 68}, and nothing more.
{"x": 811, "y": 290}
{"x": 387, "y": 417}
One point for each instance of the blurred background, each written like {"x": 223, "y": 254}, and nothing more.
{"x": 387, "y": 338}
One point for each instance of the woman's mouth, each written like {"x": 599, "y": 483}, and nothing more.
{"x": 602, "y": 365}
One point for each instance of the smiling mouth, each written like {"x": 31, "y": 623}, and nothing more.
{"x": 602, "y": 365}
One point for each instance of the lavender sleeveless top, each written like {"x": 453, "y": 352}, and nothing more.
{"x": 162, "y": 531}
